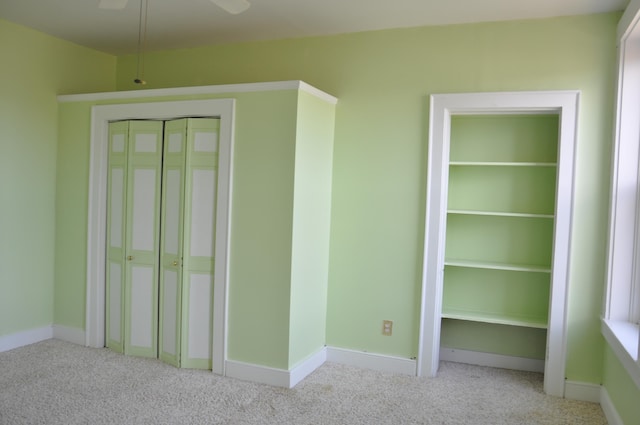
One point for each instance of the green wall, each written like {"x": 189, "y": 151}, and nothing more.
{"x": 383, "y": 80}
{"x": 261, "y": 232}
{"x": 35, "y": 68}
{"x": 623, "y": 391}
{"x": 311, "y": 227}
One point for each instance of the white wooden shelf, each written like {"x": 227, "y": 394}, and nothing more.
{"x": 499, "y": 319}
{"x": 499, "y": 214}
{"x": 501, "y": 164}
{"x": 496, "y": 266}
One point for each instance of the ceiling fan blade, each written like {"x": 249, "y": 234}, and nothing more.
{"x": 232, "y": 6}
{"x": 112, "y": 4}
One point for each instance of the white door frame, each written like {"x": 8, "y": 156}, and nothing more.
{"x": 565, "y": 103}
{"x": 96, "y": 232}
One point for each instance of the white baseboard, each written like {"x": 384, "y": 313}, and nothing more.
{"x": 257, "y": 373}
{"x": 68, "y": 334}
{"x": 272, "y": 376}
{"x": 366, "y": 360}
{"x": 582, "y": 391}
{"x": 610, "y": 412}
{"x": 490, "y": 359}
{"x": 304, "y": 368}
{"x": 20, "y": 339}
{"x": 289, "y": 378}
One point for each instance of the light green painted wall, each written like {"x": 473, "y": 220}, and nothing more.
{"x": 261, "y": 232}
{"x": 35, "y": 68}
{"x": 516, "y": 240}
{"x": 383, "y": 80}
{"x": 311, "y": 227}
{"x": 623, "y": 391}
{"x": 72, "y": 183}
{"x": 499, "y": 339}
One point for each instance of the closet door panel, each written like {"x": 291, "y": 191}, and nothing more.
{"x": 142, "y": 237}
{"x": 114, "y": 299}
{"x": 200, "y": 297}
{"x": 199, "y": 228}
{"x": 172, "y": 219}
{"x": 162, "y": 203}
{"x": 116, "y": 210}
{"x": 143, "y": 233}
{"x": 171, "y": 241}
{"x": 169, "y": 337}
{"x": 202, "y": 212}
{"x": 142, "y": 308}
{"x": 116, "y": 204}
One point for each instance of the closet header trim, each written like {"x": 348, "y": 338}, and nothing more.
{"x": 217, "y": 89}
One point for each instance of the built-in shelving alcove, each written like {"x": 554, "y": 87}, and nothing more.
{"x": 498, "y": 220}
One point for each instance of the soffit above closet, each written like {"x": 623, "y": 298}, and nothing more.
{"x": 176, "y": 24}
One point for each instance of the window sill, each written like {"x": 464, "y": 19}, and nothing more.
{"x": 623, "y": 340}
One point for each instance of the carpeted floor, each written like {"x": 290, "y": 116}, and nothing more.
{"x": 54, "y": 382}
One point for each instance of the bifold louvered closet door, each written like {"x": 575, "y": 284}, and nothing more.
{"x": 160, "y": 239}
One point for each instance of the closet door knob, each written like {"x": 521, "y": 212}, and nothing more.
{"x": 175, "y": 263}
{"x": 130, "y": 257}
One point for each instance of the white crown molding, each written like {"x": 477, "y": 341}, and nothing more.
{"x": 200, "y": 90}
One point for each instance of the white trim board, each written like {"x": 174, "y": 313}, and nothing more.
{"x": 490, "y": 359}
{"x": 306, "y": 367}
{"x": 610, "y": 411}
{"x": 257, "y": 373}
{"x": 273, "y": 376}
{"x": 28, "y": 337}
{"x": 443, "y": 106}
{"x": 372, "y": 361}
{"x": 200, "y": 90}
{"x": 96, "y": 221}
{"x": 583, "y": 391}
{"x": 289, "y": 378}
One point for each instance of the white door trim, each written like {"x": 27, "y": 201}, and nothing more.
{"x": 96, "y": 227}
{"x": 565, "y": 103}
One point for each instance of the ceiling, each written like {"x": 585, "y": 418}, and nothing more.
{"x": 176, "y": 24}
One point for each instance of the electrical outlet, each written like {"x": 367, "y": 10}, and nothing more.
{"x": 387, "y": 327}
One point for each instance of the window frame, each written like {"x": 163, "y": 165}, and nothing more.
{"x": 621, "y": 311}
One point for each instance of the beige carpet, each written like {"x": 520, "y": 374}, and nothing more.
{"x": 54, "y": 382}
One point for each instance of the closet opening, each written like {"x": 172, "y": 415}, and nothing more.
{"x": 499, "y": 238}
{"x": 210, "y": 335}
{"x": 161, "y": 203}
{"x": 497, "y": 234}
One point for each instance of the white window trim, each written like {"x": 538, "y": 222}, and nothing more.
{"x": 622, "y": 299}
